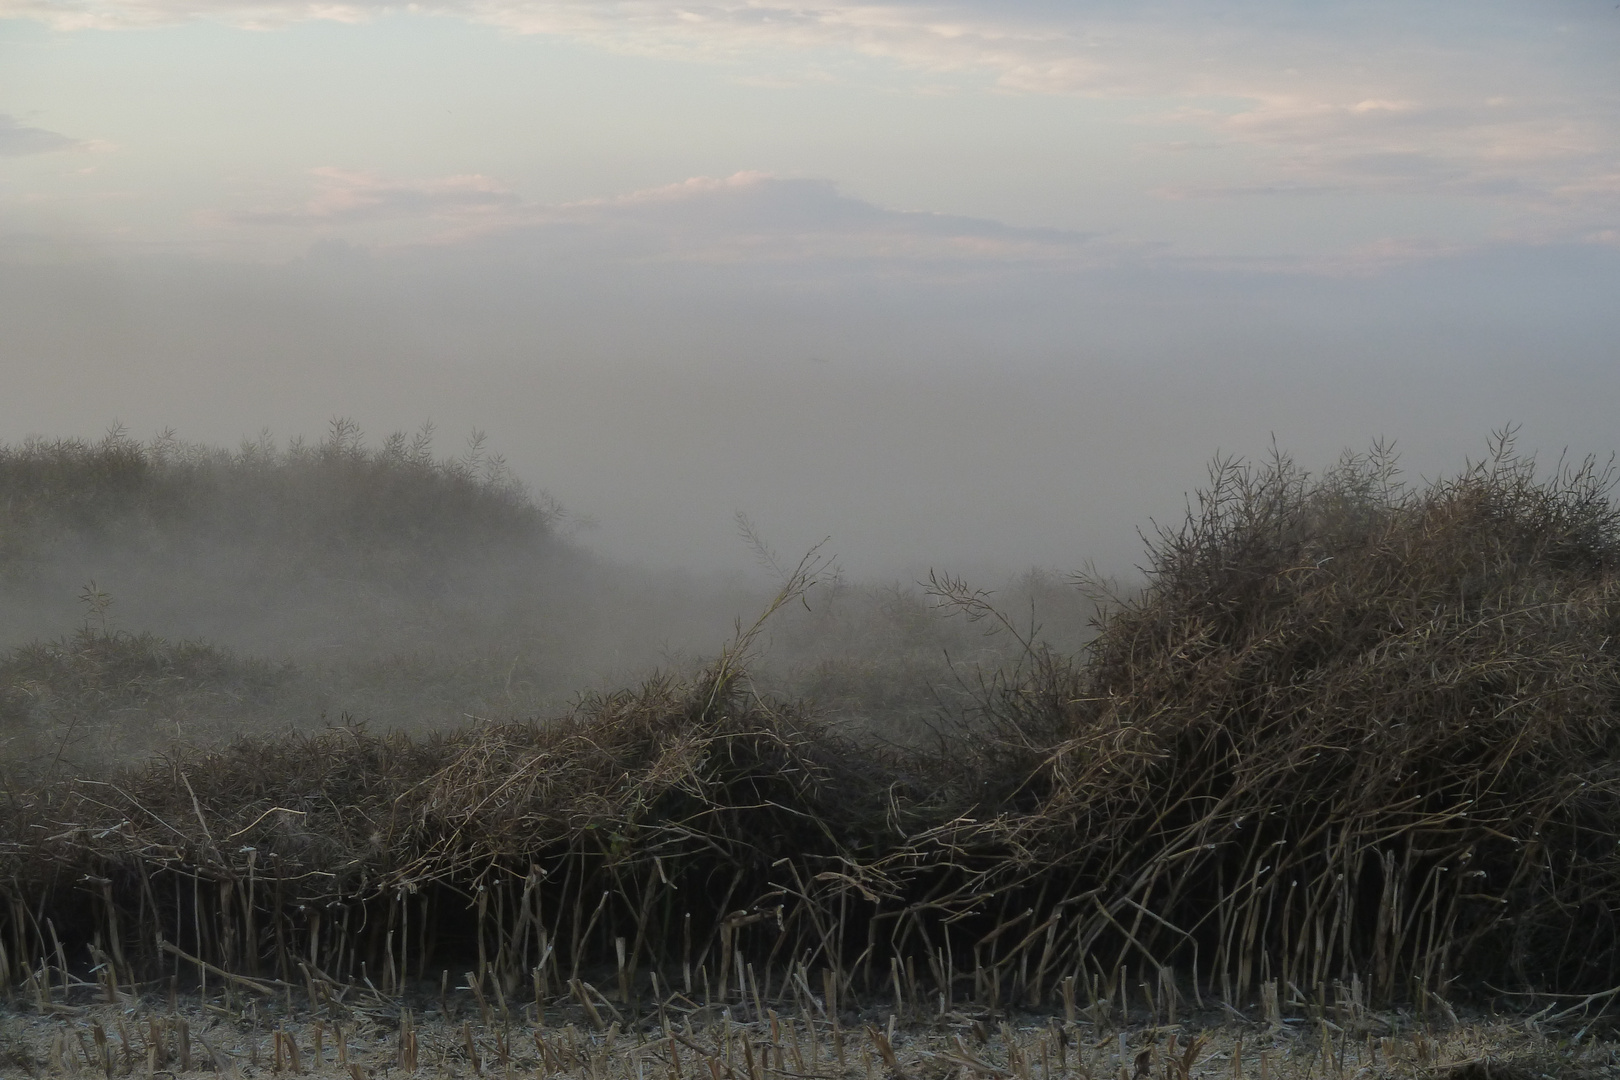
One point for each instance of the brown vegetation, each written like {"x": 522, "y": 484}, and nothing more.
{"x": 1355, "y": 741}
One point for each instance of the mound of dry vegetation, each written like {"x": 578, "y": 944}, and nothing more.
{"x": 1353, "y": 738}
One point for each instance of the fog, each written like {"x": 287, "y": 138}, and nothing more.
{"x": 943, "y": 287}
{"x": 921, "y": 411}
{"x": 161, "y": 594}
{"x": 956, "y": 284}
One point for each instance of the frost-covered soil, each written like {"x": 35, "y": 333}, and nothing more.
{"x": 187, "y": 1036}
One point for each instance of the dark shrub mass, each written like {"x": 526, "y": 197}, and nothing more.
{"x": 1352, "y": 732}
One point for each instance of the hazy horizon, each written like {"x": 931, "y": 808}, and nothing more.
{"x": 970, "y": 286}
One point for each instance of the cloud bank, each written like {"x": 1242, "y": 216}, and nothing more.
{"x": 1493, "y": 104}
{"x": 346, "y": 197}
{"x": 18, "y": 139}
{"x": 746, "y": 218}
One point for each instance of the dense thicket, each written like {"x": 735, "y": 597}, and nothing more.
{"x": 163, "y": 592}
{"x": 1354, "y": 727}
{"x": 1351, "y": 731}
{"x": 384, "y": 510}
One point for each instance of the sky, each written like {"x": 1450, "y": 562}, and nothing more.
{"x": 970, "y": 285}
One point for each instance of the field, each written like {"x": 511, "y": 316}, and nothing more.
{"x": 461, "y": 1034}
{"x": 1333, "y": 791}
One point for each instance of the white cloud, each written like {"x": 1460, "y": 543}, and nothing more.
{"x": 747, "y": 217}
{"x": 1486, "y": 101}
{"x": 1478, "y": 102}
{"x": 18, "y": 139}
{"x": 757, "y": 217}
{"x": 357, "y": 196}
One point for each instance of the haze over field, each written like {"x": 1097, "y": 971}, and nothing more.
{"x": 968, "y": 285}
{"x": 1287, "y": 331}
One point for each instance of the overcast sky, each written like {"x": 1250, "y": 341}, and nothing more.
{"x": 971, "y": 285}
